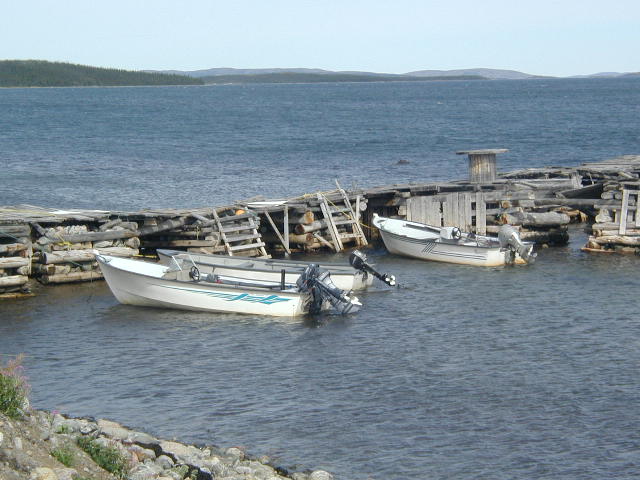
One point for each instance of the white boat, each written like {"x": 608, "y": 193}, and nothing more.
{"x": 350, "y": 277}
{"x": 137, "y": 282}
{"x": 449, "y": 244}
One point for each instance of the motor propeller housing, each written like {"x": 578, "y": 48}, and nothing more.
{"x": 509, "y": 238}
{"x": 317, "y": 281}
{"x": 358, "y": 260}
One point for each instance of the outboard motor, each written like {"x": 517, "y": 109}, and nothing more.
{"x": 358, "y": 260}
{"x": 509, "y": 238}
{"x": 318, "y": 282}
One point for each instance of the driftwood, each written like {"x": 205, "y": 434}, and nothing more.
{"x": 11, "y": 231}
{"x": 13, "y": 281}
{"x": 79, "y": 256}
{"x": 546, "y": 219}
{"x": 12, "y": 247}
{"x": 116, "y": 234}
{"x": 71, "y": 277}
{"x": 51, "y": 269}
{"x": 556, "y": 236}
{"x": 617, "y": 239}
{"x": 13, "y": 262}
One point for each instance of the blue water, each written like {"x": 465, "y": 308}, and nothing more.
{"x": 499, "y": 373}
{"x": 132, "y": 148}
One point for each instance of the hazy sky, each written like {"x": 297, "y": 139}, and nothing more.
{"x": 543, "y": 37}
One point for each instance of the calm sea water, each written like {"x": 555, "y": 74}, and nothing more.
{"x": 528, "y": 372}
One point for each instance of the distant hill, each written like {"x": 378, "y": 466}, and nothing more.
{"x": 488, "y": 73}
{"x": 469, "y": 73}
{"x": 608, "y": 75}
{"x": 211, "y": 72}
{"x": 40, "y": 73}
{"x": 297, "y": 77}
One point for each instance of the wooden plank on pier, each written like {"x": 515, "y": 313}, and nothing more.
{"x": 481, "y": 214}
{"x": 464, "y": 211}
{"x": 623, "y": 212}
{"x": 450, "y": 210}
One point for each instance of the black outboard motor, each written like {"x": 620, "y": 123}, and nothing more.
{"x": 318, "y": 282}
{"x": 358, "y": 260}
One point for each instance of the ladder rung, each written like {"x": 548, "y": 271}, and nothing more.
{"x": 247, "y": 247}
{"x": 239, "y": 238}
{"x": 237, "y": 228}
{"x": 235, "y": 218}
{"x": 339, "y": 210}
{"x": 344, "y": 222}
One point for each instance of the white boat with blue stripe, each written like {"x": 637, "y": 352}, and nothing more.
{"x": 449, "y": 244}
{"x": 138, "y": 282}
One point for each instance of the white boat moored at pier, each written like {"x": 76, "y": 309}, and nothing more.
{"x": 449, "y": 244}
{"x": 137, "y": 282}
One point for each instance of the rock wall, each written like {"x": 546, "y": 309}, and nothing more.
{"x": 31, "y": 449}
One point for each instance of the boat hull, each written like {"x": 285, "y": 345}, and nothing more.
{"x": 442, "y": 244}
{"x": 440, "y": 252}
{"x": 148, "y": 289}
{"x": 268, "y": 270}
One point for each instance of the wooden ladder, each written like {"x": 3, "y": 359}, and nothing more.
{"x": 236, "y": 230}
{"x": 342, "y": 214}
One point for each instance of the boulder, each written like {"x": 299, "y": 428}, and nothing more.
{"x": 320, "y": 475}
{"x": 164, "y": 462}
{"x": 43, "y": 473}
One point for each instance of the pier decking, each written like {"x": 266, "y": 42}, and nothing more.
{"x": 56, "y": 246}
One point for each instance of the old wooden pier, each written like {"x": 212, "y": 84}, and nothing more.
{"x": 57, "y": 246}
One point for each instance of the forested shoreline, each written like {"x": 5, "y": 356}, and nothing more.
{"x": 40, "y": 73}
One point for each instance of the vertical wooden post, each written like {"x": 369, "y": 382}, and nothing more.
{"x": 481, "y": 214}
{"x": 623, "y": 212}
{"x": 285, "y": 228}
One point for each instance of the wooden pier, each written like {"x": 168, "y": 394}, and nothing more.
{"x": 57, "y": 246}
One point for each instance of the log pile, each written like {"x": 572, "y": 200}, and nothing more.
{"x": 15, "y": 258}
{"x": 65, "y": 252}
{"x": 617, "y": 224}
{"x": 329, "y": 220}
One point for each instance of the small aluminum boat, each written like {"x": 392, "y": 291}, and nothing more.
{"x": 137, "y": 282}
{"x": 358, "y": 275}
{"x": 449, "y": 244}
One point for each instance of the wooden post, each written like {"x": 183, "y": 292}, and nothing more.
{"x": 285, "y": 228}
{"x": 481, "y": 214}
{"x": 284, "y": 243}
{"x": 623, "y": 212}
{"x": 482, "y": 164}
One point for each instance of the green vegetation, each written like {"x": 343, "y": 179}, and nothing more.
{"x": 14, "y": 389}
{"x": 40, "y": 73}
{"x": 64, "y": 455}
{"x": 295, "y": 77}
{"x": 108, "y": 458}
{"x": 64, "y": 429}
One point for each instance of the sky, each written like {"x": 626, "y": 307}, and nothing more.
{"x": 543, "y": 37}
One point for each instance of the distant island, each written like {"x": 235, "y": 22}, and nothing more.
{"x": 297, "y": 77}
{"x": 41, "y": 73}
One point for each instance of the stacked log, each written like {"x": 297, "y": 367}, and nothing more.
{"x": 545, "y": 228}
{"x": 198, "y": 235}
{"x": 15, "y": 258}
{"x": 65, "y": 253}
{"x": 617, "y": 225}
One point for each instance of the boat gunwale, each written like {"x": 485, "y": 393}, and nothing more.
{"x": 268, "y": 261}
{"x": 256, "y": 288}
{"x": 442, "y": 241}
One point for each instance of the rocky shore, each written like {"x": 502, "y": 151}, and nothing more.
{"x": 49, "y": 446}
